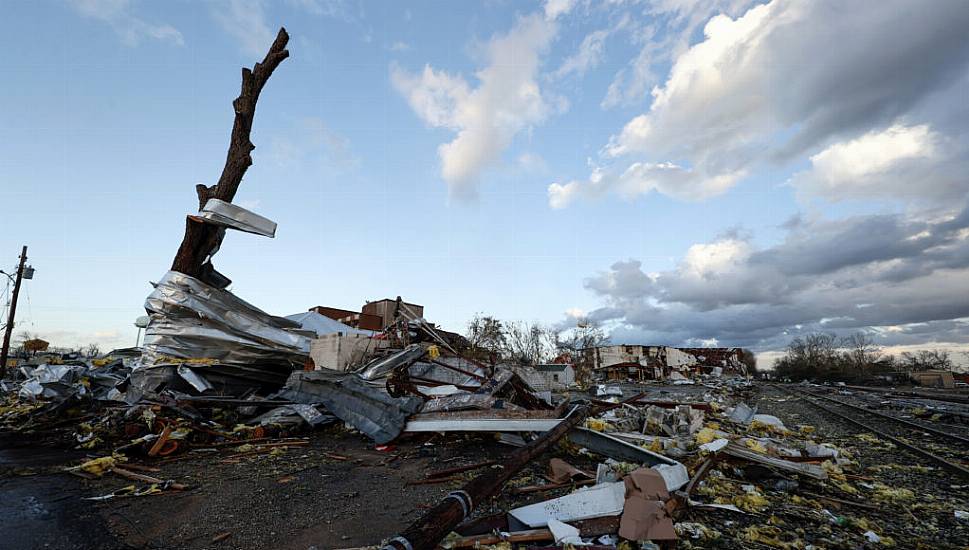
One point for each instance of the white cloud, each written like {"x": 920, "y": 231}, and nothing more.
{"x": 131, "y": 29}
{"x": 399, "y": 46}
{"x": 588, "y": 57}
{"x": 640, "y": 179}
{"x": 575, "y": 313}
{"x": 714, "y": 259}
{"x": 532, "y": 162}
{"x": 435, "y": 96}
{"x": 245, "y": 20}
{"x": 874, "y": 152}
{"x": 676, "y": 181}
{"x": 325, "y": 8}
{"x": 561, "y": 195}
{"x": 911, "y": 162}
{"x": 669, "y": 27}
{"x": 754, "y": 92}
{"x": 702, "y": 342}
{"x": 311, "y": 141}
{"x": 556, "y": 8}
{"x": 696, "y": 99}
{"x": 506, "y": 101}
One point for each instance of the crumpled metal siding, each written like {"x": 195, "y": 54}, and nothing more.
{"x": 225, "y": 214}
{"x": 190, "y": 319}
{"x": 367, "y": 409}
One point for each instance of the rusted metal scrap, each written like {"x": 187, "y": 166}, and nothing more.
{"x": 436, "y": 523}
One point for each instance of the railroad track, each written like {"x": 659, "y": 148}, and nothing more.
{"x": 948, "y": 449}
{"x": 932, "y": 396}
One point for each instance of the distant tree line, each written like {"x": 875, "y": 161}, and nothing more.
{"x": 529, "y": 343}
{"x": 823, "y": 356}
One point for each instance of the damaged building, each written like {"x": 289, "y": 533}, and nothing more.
{"x": 641, "y": 363}
{"x": 375, "y": 316}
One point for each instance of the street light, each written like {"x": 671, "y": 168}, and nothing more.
{"x": 140, "y": 322}
{"x": 28, "y": 273}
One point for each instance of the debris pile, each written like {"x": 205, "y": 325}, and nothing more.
{"x": 697, "y": 467}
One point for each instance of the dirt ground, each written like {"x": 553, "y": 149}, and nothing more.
{"x": 336, "y": 492}
{"x": 43, "y": 508}
{"x": 303, "y": 497}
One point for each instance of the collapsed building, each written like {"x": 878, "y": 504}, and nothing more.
{"x": 640, "y": 363}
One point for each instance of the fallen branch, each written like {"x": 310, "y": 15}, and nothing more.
{"x": 140, "y": 468}
{"x": 433, "y": 480}
{"x": 146, "y": 479}
{"x": 459, "y": 469}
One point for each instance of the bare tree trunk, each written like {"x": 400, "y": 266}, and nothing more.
{"x": 201, "y": 239}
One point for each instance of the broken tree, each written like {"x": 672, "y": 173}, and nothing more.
{"x": 202, "y": 240}
{"x": 192, "y": 315}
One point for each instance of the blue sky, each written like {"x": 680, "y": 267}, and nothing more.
{"x": 511, "y": 158}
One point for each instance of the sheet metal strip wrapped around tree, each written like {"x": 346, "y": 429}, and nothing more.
{"x": 191, "y": 320}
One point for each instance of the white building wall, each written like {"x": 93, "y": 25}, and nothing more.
{"x": 339, "y": 351}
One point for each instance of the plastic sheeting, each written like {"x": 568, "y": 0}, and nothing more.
{"x": 190, "y": 319}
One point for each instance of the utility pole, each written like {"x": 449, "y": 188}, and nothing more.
{"x": 13, "y": 311}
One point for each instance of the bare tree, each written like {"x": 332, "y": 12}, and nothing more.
{"x": 92, "y": 350}
{"x": 813, "y": 356}
{"x": 486, "y": 335}
{"x": 861, "y": 353}
{"x": 924, "y": 359}
{"x": 529, "y": 343}
{"x": 586, "y": 335}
